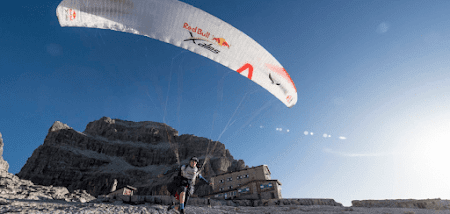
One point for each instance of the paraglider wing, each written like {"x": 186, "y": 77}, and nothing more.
{"x": 187, "y": 27}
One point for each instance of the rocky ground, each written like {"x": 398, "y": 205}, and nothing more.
{"x": 59, "y": 206}
{"x": 22, "y": 196}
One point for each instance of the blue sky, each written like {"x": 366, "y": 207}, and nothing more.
{"x": 372, "y": 76}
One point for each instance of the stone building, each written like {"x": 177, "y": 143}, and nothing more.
{"x": 250, "y": 183}
{"x": 127, "y": 190}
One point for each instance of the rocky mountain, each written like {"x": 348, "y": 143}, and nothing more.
{"x": 141, "y": 154}
{"x": 14, "y": 188}
{"x": 4, "y": 166}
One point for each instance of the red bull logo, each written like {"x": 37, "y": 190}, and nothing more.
{"x": 289, "y": 99}
{"x": 71, "y": 14}
{"x": 204, "y": 35}
{"x": 222, "y": 42}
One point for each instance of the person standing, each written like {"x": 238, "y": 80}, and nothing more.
{"x": 186, "y": 182}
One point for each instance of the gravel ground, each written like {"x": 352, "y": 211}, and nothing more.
{"x": 54, "y": 206}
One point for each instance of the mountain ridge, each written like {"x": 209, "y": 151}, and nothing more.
{"x": 134, "y": 153}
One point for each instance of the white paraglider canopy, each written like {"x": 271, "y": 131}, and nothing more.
{"x": 187, "y": 27}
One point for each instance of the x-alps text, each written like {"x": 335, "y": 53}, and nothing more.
{"x": 204, "y": 45}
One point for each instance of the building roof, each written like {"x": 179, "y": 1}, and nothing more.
{"x": 243, "y": 170}
{"x": 132, "y": 188}
{"x": 127, "y": 187}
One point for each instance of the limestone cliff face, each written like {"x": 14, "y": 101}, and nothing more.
{"x": 140, "y": 154}
{"x": 4, "y": 166}
{"x": 12, "y": 187}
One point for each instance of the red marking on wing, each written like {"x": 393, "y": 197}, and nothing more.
{"x": 225, "y": 44}
{"x": 282, "y": 72}
{"x": 222, "y": 42}
{"x": 244, "y": 67}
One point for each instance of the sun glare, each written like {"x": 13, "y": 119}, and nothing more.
{"x": 424, "y": 155}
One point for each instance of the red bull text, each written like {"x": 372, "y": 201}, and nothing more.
{"x": 197, "y": 30}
